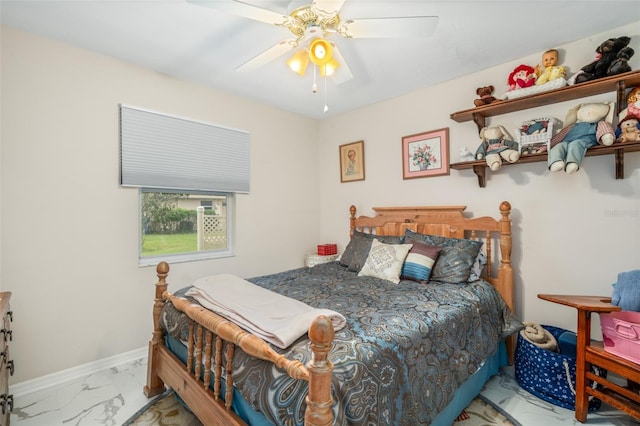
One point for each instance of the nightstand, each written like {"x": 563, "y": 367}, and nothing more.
{"x": 590, "y": 352}
{"x": 313, "y": 259}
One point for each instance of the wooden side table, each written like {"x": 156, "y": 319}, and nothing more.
{"x": 591, "y": 352}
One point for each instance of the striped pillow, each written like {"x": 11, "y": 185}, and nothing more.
{"x": 419, "y": 262}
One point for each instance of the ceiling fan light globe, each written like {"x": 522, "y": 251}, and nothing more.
{"x": 298, "y": 62}
{"x": 320, "y": 51}
{"x": 329, "y": 68}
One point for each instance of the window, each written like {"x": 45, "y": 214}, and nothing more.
{"x": 184, "y": 225}
{"x": 188, "y": 173}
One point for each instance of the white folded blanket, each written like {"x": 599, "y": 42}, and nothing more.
{"x": 278, "y": 319}
{"x": 539, "y": 336}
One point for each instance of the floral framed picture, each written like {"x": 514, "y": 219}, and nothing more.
{"x": 425, "y": 154}
{"x": 352, "y": 162}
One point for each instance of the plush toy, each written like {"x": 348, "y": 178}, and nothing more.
{"x": 486, "y": 96}
{"x": 549, "y": 71}
{"x": 497, "y": 145}
{"x": 621, "y": 63}
{"x": 606, "y": 54}
{"x": 465, "y": 154}
{"x": 522, "y": 76}
{"x": 586, "y": 125}
{"x": 633, "y": 104}
{"x": 629, "y": 131}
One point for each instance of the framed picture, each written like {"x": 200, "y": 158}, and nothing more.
{"x": 352, "y": 162}
{"x": 425, "y": 154}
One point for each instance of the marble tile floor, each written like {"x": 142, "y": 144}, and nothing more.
{"x": 109, "y": 397}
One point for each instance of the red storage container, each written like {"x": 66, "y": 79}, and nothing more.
{"x": 327, "y": 249}
{"x": 621, "y": 334}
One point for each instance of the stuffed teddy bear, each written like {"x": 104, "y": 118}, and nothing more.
{"x": 522, "y": 76}
{"x": 497, "y": 145}
{"x": 586, "y": 125}
{"x": 606, "y": 53}
{"x": 621, "y": 63}
{"x": 629, "y": 131}
{"x": 486, "y": 96}
{"x": 548, "y": 70}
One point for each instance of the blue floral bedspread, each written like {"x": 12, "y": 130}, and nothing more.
{"x": 405, "y": 350}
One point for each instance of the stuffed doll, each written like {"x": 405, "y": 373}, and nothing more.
{"x": 629, "y": 131}
{"x": 548, "y": 70}
{"x": 633, "y": 105}
{"x": 586, "y": 125}
{"x": 522, "y": 76}
{"x": 497, "y": 145}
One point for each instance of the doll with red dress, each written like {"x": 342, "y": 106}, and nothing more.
{"x": 522, "y": 76}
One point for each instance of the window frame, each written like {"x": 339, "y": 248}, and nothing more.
{"x": 190, "y": 256}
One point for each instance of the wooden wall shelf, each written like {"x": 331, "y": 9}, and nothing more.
{"x": 617, "y": 149}
{"x": 617, "y": 83}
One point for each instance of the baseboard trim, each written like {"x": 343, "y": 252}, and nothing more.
{"x": 69, "y": 374}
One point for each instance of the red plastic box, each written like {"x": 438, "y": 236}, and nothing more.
{"x": 327, "y": 249}
{"x": 621, "y": 334}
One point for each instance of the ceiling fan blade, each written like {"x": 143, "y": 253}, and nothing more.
{"x": 405, "y": 27}
{"x": 267, "y": 56}
{"x": 342, "y": 73}
{"x": 328, "y": 6}
{"x": 245, "y": 10}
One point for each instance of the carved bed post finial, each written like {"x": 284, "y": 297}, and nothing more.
{"x": 154, "y": 384}
{"x": 319, "y": 401}
{"x": 352, "y": 220}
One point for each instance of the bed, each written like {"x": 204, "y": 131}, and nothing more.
{"x": 414, "y": 351}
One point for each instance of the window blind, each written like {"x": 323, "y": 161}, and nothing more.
{"x": 166, "y": 152}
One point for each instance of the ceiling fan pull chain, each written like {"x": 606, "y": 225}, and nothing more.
{"x": 314, "y": 88}
{"x": 326, "y": 107}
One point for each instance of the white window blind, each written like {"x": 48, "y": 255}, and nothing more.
{"x": 166, "y": 152}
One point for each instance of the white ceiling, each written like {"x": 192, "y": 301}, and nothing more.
{"x": 202, "y": 45}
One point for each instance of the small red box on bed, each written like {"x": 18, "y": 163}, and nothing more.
{"x": 327, "y": 249}
{"x": 621, "y": 334}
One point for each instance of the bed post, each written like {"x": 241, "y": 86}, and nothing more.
{"x": 154, "y": 384}
{"x": 319, "y": 401}
{"x": 352, "y": 220}
{"x": 505, "y": 272}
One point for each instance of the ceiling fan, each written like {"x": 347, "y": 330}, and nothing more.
{"x": 312, "y": 25}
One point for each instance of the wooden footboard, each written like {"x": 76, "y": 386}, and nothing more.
{"x": 211, "y": 342}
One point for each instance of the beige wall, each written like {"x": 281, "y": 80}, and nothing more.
{"x": 71, "y": 268}
{"x": 572, "y": 233}
{"x": 70, "y": 232}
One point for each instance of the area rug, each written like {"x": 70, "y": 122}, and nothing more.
{"x": 165, "y": 410}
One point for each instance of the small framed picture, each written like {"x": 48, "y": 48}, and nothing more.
{"x": 425, "y": 154}
{"x": 352, "y": 162}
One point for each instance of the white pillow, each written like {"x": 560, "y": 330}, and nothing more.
{"x": 385, "y": 261}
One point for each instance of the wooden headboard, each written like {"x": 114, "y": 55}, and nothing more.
{"x": 449, "y": 221}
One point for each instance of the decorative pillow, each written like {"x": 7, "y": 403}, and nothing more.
{"x": 455, "y": 259}
{"x": 419, "y": 262}
{"x": 385, "y": 261}
{"x": 356, "y": 252}
{"x": 478, "y": 266}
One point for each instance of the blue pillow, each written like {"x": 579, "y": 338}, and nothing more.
{"x": 356, "y": 252}
{"x": 456, "y": 257}
{"x": 419, "y": 262}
